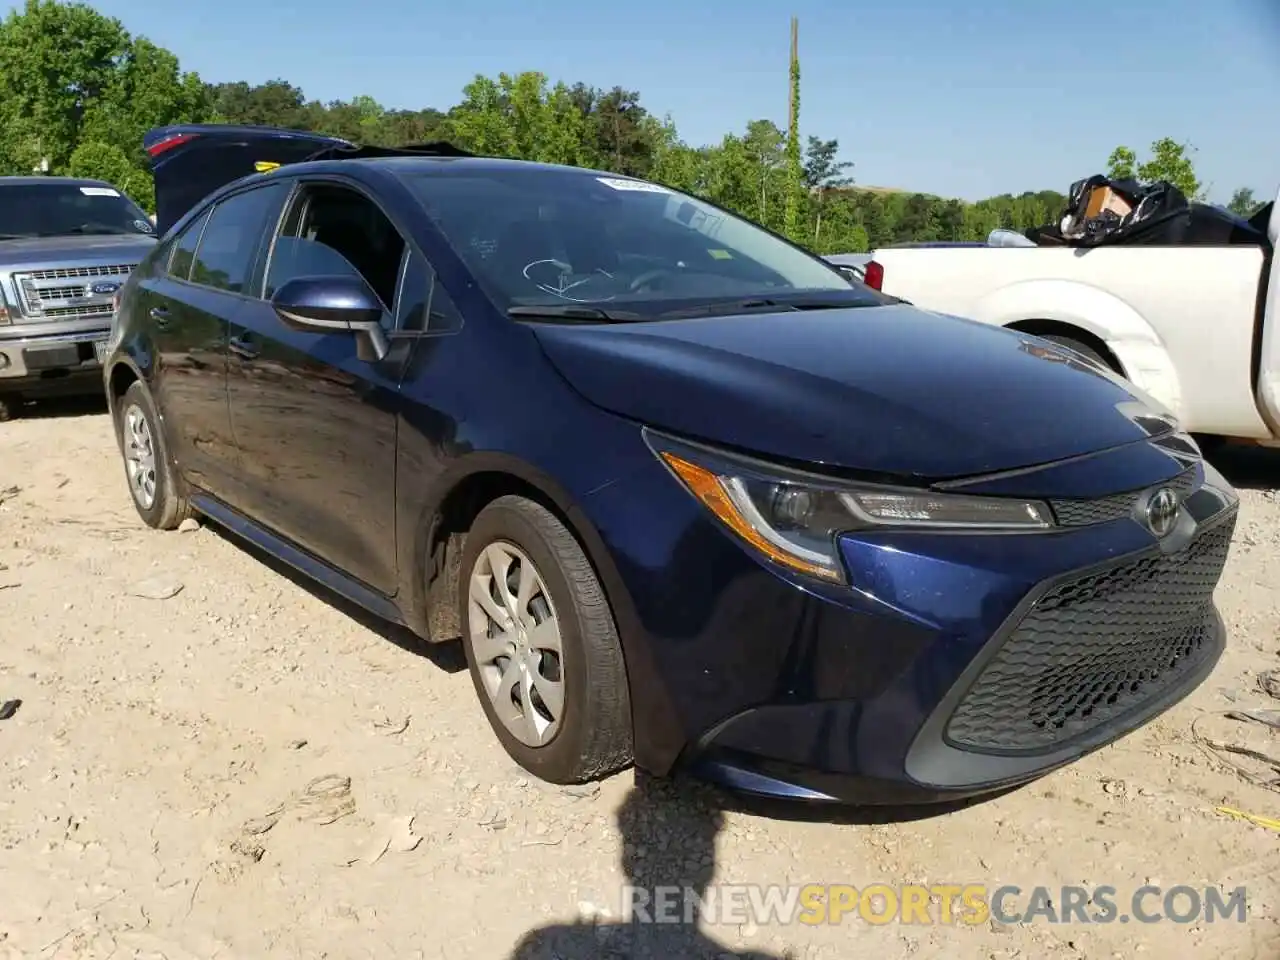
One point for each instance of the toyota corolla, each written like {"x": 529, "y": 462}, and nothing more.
{"x": 689, "y": 498}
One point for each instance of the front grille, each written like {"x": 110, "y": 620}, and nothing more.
{"x": 1082, "y": 513}
{"x": 1095, "y": 647}
{"x": 67, "y": 273}
{"x": 47, "y": 294}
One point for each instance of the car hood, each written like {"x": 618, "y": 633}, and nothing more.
{"x": 889, "y": 390}
{"x": 128, "y": 248}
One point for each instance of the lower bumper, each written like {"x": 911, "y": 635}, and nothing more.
{"x": 53, "y": 364}
{"x": 934, "y": 770}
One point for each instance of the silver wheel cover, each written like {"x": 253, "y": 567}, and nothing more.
{"x": 140, "y": 456}
{"x": 516, "y": 643}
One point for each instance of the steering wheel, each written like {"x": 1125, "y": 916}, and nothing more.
{"x": 646, "y": 277}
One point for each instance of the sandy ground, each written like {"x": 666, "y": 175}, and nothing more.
{"x": 162, "y": 793}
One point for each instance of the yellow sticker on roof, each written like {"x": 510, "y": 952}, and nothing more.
{"x": 262, "y": 166}
{"x": 720, "y": 254}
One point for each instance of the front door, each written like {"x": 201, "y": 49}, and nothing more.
{"x": 314, "y": 423}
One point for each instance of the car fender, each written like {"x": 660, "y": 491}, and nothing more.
{"x": 1128, "y": 335}
{"x": 420, "y": 512}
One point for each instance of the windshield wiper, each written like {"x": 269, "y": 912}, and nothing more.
{"x": 767, "y": 305}
{"x": 578, "y": 314}
{"x": 86, "y": 228}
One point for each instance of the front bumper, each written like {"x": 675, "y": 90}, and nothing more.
{"x": 53, "y": 362}
{"x": 953, "y": 665}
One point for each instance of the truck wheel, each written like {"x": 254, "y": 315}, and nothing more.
{"x": 9, "y": 408}
{"x": 1081, "y": 348}
{"x": 542, "y": 645}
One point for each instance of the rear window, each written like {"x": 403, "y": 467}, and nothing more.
{"x": 58, "y": 208}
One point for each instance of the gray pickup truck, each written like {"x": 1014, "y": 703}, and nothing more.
{"x": 66, "y": 248}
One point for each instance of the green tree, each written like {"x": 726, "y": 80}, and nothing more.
{"x": 95, "y": 160}
{"x": 823, "y": 172}
{"x": 56, "y": 61}
{"x": 1243, "y": 202}
{"x": 1122, "y": 164}
{"x": 148, "y": 89}
{"x": 1170, "y": 161}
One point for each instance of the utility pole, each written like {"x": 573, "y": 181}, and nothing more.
{"x": 791, "y": 215}
{"x": 793, "y": 64}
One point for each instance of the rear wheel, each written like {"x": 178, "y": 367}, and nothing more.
{"x": 153, "y": 484}
{"x": 542, "y": 646}
{"x": 9, "y": 407}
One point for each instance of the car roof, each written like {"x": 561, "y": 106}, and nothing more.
{"x": 410, "y": 166}
{"x": 59, "y": 181}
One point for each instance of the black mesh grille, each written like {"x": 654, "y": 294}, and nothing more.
{"x": 1081, "y": 513}
{"x": 1095, "y": 647}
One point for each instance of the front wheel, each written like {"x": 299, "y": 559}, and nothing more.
{"x": 542, "y": 645}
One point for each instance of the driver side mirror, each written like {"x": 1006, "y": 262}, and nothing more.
{"x": 334, "y": 304}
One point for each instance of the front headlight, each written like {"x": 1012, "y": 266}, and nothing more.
{"x": 793, "y": 519}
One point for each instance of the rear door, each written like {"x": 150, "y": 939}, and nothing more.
{"x": 315, "y": 424}
{"x": 189, "y": 307}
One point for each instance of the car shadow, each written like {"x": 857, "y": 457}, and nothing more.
{"x": 669, "y": 828}
{"x": 447, "y": 656}
{"x": 47, "y": 408}
{"x": 1247, "y": 467}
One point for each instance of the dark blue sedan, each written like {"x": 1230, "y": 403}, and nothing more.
{"x": 689, "y": 497}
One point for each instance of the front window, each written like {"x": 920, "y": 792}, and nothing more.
{"x": 58, "y": 208}
{"x": 537, "y": 237}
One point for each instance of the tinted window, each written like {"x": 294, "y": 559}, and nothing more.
{"x": 184, "y": 248}
{"x": 424, "y": 305}
{"x": 230, "y": 241}
{"x": 537, "y": 236}
{"x": 56, "y": 208}
{"x": 334, "y": 230}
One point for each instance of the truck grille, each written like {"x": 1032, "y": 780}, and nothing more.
{"x": 1093, "y": 648}
{"x": 1082, "y": 513}
{"x": 66, "y": 293}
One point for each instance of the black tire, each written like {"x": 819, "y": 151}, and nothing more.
{"x": 169, "y": 506}
{"x": 1081, "y": 348}
{"x": 9, "y": 408}
{"x": 594, "y": 738}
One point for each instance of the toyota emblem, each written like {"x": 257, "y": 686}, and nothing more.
{"x": 1162, "y": 511}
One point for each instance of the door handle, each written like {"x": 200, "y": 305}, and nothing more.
{"x": 161, "y": 316}
{"x": 243, "y": 347}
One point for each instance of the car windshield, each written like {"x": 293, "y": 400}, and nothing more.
{"x": 584, "y": 244}
{"x": 56, "y": 209}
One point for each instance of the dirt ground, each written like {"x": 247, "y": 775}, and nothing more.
{"x": 248, "y": 769}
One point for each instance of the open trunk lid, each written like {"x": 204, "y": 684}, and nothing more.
{"x": 190, "y": 161}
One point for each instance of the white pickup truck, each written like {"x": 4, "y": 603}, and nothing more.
{"x": 1195, "y": 327}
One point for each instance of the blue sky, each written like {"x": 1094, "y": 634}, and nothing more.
{"x": 959, "y": 99}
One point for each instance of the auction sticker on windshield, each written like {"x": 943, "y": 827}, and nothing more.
{"x": 638, "y": 185}
{"x": 99, "y": 192}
